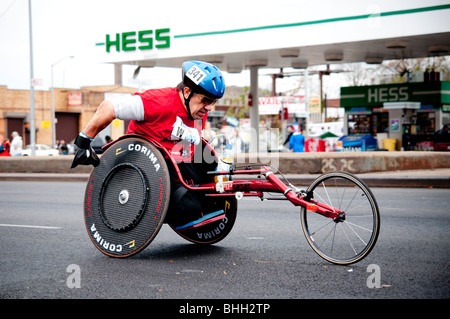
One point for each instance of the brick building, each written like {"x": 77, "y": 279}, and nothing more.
{"x": 73, "y": 109}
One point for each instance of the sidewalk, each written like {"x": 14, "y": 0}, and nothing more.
{"x": 427, "y": 178}
{"x": 377, "y": 169}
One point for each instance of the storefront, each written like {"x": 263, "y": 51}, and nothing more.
{"x": 409, "y": 113}
{"x": 73, "y": 109}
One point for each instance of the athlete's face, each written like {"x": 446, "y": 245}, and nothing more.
{"x": 199, "y": 104}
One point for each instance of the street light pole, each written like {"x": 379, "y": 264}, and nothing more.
{"x": 32, "y": 115}
{"x": 53, "y": 104}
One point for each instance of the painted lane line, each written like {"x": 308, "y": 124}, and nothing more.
{"x": 30, "y": 226}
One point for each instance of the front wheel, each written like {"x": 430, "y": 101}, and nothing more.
{"x": 345, "y": 240}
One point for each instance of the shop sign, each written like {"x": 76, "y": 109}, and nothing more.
{"x": 37, "y": 82}
{"x": 74, "y": 99}
{"x": 377, "y": 95}
{"x": 358, "y": 110}
{"x": 314, "y": 105}
{"x": 137, "y": 40}
{"x": 373, "y": 95}
{"x": 395, "y": 125}
{"x": 45, "y": 124}
{"x": 273, "y": 104}
{"x": 232, "y": 121}
{"x": 216, "y": 113}
{"x": 401, "y": 105}
{"x": 117, "y": 123}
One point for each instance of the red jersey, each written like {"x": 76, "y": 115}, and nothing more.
{"x": 162, "y": 107}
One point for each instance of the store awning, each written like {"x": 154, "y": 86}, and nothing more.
{"x": 401, "y": 105}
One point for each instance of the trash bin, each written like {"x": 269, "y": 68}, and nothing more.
{"x": 356, "y": 143}
{"x": 390, "y": 144}
{"x": 314, "y": 145}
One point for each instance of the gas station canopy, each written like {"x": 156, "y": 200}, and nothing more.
{"x": 360, "y": 33}
{"x": 284, "y": 34}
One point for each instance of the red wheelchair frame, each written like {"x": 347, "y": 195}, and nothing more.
{"x": 254, "y": 187}
{"x": 339, "y": 214}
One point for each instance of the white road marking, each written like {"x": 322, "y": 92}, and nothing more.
{"x": 30, "y": 226}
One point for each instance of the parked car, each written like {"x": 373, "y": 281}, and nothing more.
{"x": 40, "y": 150}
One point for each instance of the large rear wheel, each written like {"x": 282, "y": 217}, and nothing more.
{"x": 126, "y": 197}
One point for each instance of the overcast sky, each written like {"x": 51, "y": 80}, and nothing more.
{"x": 63, "y": 28}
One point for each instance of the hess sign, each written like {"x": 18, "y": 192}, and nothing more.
{"x": 137, "y": 40}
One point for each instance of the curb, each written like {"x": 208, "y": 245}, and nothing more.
{"x": 382, "y": 180}
{"x": 390, "y": 181}
{"x": 295, "y": 163}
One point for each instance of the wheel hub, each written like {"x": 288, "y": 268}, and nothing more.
{"x": 340, "y": 218}
{"x": 124, "y": 195}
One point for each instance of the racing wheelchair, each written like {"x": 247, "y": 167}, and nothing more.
{"x": 127, "y": 201}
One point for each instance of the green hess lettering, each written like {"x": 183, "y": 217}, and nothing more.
{"x": 138, "y": 40}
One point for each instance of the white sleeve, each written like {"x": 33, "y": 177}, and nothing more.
{"x": 129, "y": 108}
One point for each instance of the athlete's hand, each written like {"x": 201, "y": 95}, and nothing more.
{"x": 85, "y": 154}
{"x": 183, "y": 132}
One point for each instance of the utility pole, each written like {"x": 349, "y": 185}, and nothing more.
{"x": 32, "y": 115}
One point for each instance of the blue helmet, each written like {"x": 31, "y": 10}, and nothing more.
{"x": 204, "y": 78}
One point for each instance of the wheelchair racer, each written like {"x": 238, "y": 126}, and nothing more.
{"x": 174, "y": 117}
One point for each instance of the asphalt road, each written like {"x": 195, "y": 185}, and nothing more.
{"x": 45, "y": 253}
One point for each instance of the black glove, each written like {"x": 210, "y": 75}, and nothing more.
{"x": 85, "y": 154}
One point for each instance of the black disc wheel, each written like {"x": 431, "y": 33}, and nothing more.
{"x": 126, "y": 197}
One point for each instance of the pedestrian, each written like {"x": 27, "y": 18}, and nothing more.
{"x": 4, "y": 146}
{"x": 16, "y": 144}
{"x": 236, "y": 141}
{"x": 442, "y": 135}
{"x": 63, "y": 149}
{"x": 209, "y": 134}
{"x": 290, "y": 129}
{"x": 2, "y": 139}
{"x": 297, "y": 141}
{"x": 174, "y": 117}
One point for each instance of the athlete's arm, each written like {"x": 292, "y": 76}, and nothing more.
{"x": 130, "y": 108}
{"x": 101, "y": 119}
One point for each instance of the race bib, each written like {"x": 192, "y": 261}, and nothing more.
{"x": 195, "y": 74}
{"x": 183, "y": 132}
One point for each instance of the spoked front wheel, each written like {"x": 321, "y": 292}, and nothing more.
{"x": 348, "y": 239}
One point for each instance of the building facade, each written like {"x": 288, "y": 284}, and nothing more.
{"x": 73, "y": 110}
{"x": 410, "y": 112}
